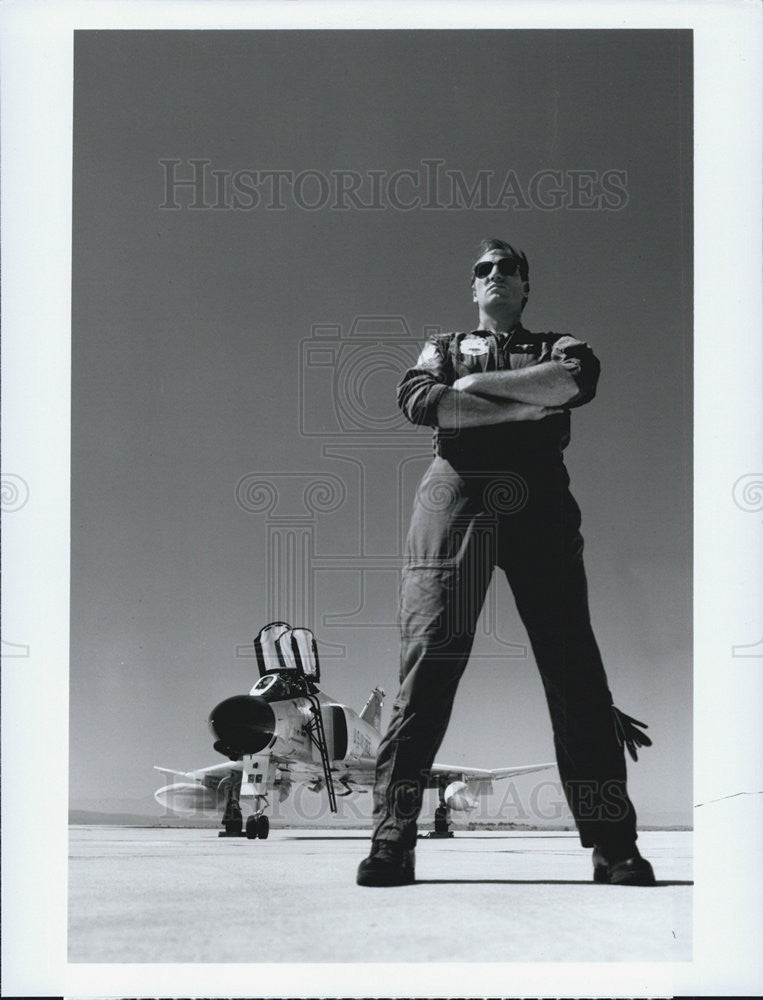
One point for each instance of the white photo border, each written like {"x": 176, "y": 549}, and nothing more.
{"x": 37, "y": 51}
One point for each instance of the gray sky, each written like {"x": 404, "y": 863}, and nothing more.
{"x": 189, "y": 371}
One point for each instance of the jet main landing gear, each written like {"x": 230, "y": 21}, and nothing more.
{"x": 441, "y": 819}
{"x": 233, "y": 822}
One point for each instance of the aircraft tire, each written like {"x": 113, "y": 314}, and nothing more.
{"x": 252, "y": 831}
{"x": 263, "y": 827}
{"x": 441, "y": 820}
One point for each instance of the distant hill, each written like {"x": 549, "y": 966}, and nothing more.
{"x": 353, "y": 814}
{"x": 82, "y": 817}
{"x": 144, "y": 806}
{"x": 79, "y": 817}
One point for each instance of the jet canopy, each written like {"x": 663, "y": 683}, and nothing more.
{"x": 281, "y": 649}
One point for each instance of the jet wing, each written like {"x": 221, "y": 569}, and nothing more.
{"x": 362, "y": 771}
{"x": 443, "y": 774}
{"x": 209, "y": 776}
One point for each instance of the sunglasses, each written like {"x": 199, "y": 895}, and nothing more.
{"x": 507, "y": 266}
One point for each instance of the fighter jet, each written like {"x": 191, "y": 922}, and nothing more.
{"x": 287, "y": 731}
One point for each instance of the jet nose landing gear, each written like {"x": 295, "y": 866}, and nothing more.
{"x": 257, "y": 827}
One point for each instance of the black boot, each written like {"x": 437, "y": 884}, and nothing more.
{"x": 621, "y": 866}
{"x": 388, "y": 864}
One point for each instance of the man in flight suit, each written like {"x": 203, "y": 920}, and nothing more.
{"x": 497, "y": 494}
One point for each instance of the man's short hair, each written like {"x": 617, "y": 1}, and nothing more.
{"x": 495, "y": 244}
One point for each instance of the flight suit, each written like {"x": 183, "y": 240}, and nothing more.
{"x": 499, "y": 496}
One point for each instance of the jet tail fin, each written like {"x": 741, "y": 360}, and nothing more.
{"x": 371, "y": 712}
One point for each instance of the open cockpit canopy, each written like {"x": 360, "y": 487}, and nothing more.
{"x": 281, "y": 649}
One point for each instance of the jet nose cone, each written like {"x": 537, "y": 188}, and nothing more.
{"x": 243, "y": 725}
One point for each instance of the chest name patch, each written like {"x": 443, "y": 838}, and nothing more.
{"x": 472, "y": 347}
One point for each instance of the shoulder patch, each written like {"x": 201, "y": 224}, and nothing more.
{"x": 566, "y": 340}
{"x": 429, "y": 354}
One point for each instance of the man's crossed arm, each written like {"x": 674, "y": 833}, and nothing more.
{"x": 566, "y": 380}
{"x": 548, "y": 384}
{"x": 505, "y": 396}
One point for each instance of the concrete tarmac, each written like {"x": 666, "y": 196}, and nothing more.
{"x": 163, "y": 895}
